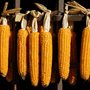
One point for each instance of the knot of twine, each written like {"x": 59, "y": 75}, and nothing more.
{"x": 35, "y": 14}
{"x": 46, "y": 21}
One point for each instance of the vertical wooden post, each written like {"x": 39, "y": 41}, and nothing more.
{"x": 15, "y": 87}
{"x": 61, "y": 6}
{"x": 60, "y": 85}
{"x": 61, "y": 9}
{"x": 17, "y": 5}
{"x": 14, "y": 55}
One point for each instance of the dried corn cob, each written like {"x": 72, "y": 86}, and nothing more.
{"x": 85, "y": 51}
{"x": 4, "y": 49}
{"x": 64, "y": 44}
{"x": 73, "y": 70}
{"x": 34, "y": 57}
{"x": 46, "y": 57}
{"x": 22, "y": 52}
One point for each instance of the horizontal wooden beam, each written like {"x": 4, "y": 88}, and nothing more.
{"x": 78, "y": 17}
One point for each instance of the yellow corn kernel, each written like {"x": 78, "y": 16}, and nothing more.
{"x": 34, "y": 57}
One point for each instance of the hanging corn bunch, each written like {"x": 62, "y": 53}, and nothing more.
{"x": 64, "y": 47}
{"x": 73, "y": 62}
{"x": 4, "y": 47}
{"x": 85, "y": 52}
{"x": 46, "y": 51}
{"x": 34, "y": 53}
{"x": 22, "y": 50}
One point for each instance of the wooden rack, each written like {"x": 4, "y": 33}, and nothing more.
{"x": 60, "y": 7}
{"x": 58, "y": 17}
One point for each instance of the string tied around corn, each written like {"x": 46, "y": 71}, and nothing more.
{"x": 46, "y": 21}
{"x": 44, "y": 9}
{"x": 23, "y": 23}
{"x": 77, "y": 8}
{"x": 48, "y": 15}
{"x": 35, "y": 14}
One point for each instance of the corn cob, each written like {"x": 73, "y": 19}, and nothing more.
{"x": 34, "y": 57}
{"x": 73, "y": 70}
{"x": 4, "y": 49}
{"x": 85, "y": 51}
{"x": 46, "y": 57}
{"x": 64, "y": 44}
{"x": 22, "y": 52}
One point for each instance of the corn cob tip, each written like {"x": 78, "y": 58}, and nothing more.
{"x": 45, "y": 84}
{"x": 64, "y": 77}
{"x": 72, "y": 81}
{"x": 3, "y": 75}
{"x": 35, "y": 84}
{"x": 23, "y": 77}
